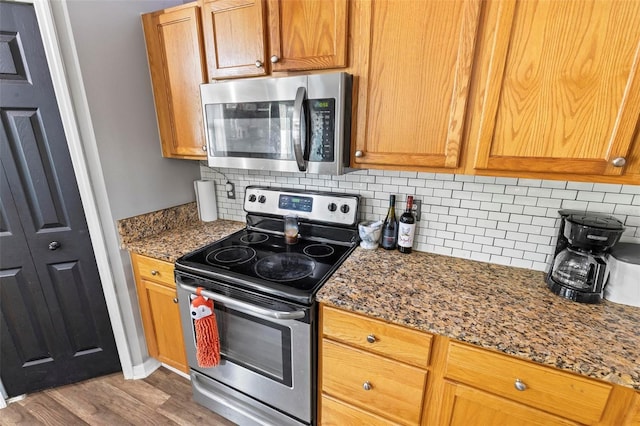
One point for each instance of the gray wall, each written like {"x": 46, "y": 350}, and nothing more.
{"x": 104, "y": 53}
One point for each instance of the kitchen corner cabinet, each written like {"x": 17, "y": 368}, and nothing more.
{"x": 375, "y": 373}
{"x": 158, "y": 302}
{"x": 177, "y": 65}
{"x": 558, "y": 87}
{"x": 416, "y": 60}
{"x": 247, "y": 38}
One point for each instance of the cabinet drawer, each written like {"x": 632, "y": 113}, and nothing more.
{"x": 337, "y": 413}
{"x": 396, "y": 389}
{"x": 377, "y": 336}
{"x": 564, "y": 394}
{"x": 153, "y": 269}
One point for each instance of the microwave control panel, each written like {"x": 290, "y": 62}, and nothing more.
{"x": 323, "y": 127}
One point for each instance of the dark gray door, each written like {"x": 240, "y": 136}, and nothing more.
{"x": 54, "y": 325}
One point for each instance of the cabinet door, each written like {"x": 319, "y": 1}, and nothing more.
{"x": 159, "y": 310}
{"x": 464, "y": 405}
{"x": 308, "y": 34}
{"x": 559, "y": 86}
{"x": 234, "y": 36}
{"x": 413, "y": 89}
{"x": 163, "y": 330}
{"x": 176, "y": 62}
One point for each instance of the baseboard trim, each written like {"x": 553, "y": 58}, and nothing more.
{"x": 178, "y": 372}
{"x": 143, "y": 370}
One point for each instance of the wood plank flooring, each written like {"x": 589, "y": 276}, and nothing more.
{"x": 163, "y": 398}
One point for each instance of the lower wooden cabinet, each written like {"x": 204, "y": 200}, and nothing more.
{"x": 371, "y": 372}
{"x": 159, "y": 309}
{"x": 376, "y": 373}
{"x": 464, "y": 405}
{"x": 567, "y": 395}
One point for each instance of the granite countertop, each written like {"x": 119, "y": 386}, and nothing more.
{"x": 170, "y": 233}
{"x": 496, "y": 307}
{"x": 173, "y": 243}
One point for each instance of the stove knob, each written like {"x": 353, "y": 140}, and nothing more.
{"x": 333, "y": 207}
{"x": 262, "y": 199}
{"x": 344, "y": 208}
{"x": 252, "y": 198}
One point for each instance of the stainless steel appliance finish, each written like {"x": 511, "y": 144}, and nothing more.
{"x": 579, "y": 269}
{"x": 289, "y": 124}
{"x": 263, "y": 291}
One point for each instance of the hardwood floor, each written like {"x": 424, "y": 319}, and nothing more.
{"x": 163, "y": 398}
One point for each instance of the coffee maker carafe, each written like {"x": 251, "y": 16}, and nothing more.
{"x": 579, "y": 268}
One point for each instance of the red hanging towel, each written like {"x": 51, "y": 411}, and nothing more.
{"x": 207, "y": 339}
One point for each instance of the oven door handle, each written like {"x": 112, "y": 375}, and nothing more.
{"x": 247, "y": 308}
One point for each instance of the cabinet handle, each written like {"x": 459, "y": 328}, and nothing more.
{"x": 204, "y": 147}
{"x": 54, "y": 245}
{"x": 154, "y": 272}
{"x": 619, "y": 162}
{"x": 259, "y": 64}
{"x": 367, "y": 386}
{"x": 175, "y": 300}
{"x": 359, "y": 153}
{"x": 371, "y": 338}
{"x": 274, "y": 59}
{"x": 520, "y": 385}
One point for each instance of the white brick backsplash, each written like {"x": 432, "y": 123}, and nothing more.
{"x": 509, "y": 221}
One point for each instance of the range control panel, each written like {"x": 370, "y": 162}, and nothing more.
{"x": 328, "y": 207}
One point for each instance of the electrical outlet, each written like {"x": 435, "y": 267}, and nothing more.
{"x": 231, "y": 191}
{"x": 417, "y": 209}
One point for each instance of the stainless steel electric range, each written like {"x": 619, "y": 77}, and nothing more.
{"x": 264, "y": 290}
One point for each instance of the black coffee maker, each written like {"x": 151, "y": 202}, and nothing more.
{"x": 579, "y": 268}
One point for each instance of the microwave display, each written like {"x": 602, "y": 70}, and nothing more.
{"x": 264, "y": 129}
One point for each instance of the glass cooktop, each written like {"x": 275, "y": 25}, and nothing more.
{"x": 263, "y": 262}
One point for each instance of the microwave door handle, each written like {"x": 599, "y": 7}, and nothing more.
{"x": 298, "y": 131}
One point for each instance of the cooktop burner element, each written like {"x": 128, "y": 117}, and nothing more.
{"x": 235, "y": 255}
{"x": 318, "y": 250}
{"x": 257, "y": 258}
{"x": 283, "y": 267}
{"x": 254, "y": 238}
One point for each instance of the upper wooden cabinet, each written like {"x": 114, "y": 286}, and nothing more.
{"x": 558, "y": 87}
{"x": 251, "y": 37}
{"x": 414, "y": 60}
{"x": 176, "y": 62}
{"x": 307, "y": 34}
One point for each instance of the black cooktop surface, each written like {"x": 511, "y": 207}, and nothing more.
{"x": 263, "y": 262}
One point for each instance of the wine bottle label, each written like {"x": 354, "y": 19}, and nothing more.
{"x": 406, "y": 231}
{"x": 388, "y": 238}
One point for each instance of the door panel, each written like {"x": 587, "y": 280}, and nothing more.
{"x": 55, "y": 325}
{"x": 558, "y": 100}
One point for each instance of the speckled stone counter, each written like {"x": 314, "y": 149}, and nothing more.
{"x": 171, "y": 233}
{"x": 496, "y": 307}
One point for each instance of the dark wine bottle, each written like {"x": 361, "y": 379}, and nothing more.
{"x": 390, "y": 226}
{"x": 406, "y": 228}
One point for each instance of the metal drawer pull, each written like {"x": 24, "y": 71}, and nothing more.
{"x": 371, "y": 338}
{"x": 520, "y": 385}
{"x": 154, "y": 272}
{"x": 619, "y": 162}
{"x": 367, "y": 386}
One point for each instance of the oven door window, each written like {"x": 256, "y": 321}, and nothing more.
{"x": 256, "y": 344}
{"x": 251, "y": 129}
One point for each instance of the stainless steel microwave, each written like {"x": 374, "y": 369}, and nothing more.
{"x": 287, "y": 124}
